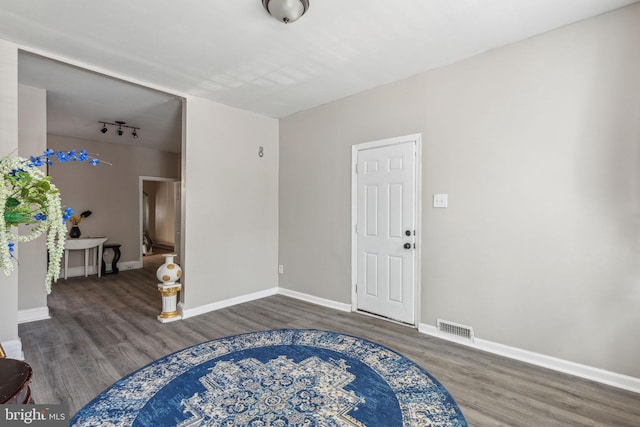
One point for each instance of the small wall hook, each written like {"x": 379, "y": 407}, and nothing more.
{"x": 261, "y": 151}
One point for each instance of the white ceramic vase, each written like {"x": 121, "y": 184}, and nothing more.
{"x": 169, "y": 272}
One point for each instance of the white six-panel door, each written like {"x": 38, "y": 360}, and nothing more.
{"x": 385, "y": 231}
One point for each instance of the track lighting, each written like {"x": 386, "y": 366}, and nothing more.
{"x": 120, "y": 124}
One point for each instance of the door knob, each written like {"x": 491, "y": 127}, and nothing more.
{"x": 407, "y": 245}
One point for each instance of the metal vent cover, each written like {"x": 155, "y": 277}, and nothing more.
{"x": 460, "y": 331}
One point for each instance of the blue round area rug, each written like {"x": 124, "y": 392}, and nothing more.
{"x": 277, "y": 378}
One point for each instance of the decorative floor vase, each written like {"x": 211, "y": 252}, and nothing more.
{"x": 74, "y": 233}
{"x": 169, "y": 272}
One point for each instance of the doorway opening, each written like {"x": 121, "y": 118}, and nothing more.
{"x": 159, "y": 217}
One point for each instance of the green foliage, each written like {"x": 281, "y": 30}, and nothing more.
{"x": 28, "y": 196}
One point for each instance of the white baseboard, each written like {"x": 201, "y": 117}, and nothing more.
{"x": 13, "y": 349}
{"x": 128, "y": 265}
{"x": 33, "y": 314}
{"x": 77, "y": 271}
{"x": 122, "y": 266}
{"x": 190, "y": 312}
{"x": 583, "y": 371}
{"x": 315, "y": 300}
{"x": 625, "y": 382}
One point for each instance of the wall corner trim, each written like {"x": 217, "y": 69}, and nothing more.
{"x": 315, "y": 300}
{"x": 91, "y": 269}
{"x": 190, "y": 312}
{"x": 613, "y": 379}
{"x": 33, "y": 314}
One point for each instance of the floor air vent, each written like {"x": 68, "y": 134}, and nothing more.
{"x": 455, "y": 330}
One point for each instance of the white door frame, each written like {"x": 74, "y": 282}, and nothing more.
{"x": 141, "y": 181}
{"x": 417, "y": 138}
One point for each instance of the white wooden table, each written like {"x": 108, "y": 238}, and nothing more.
{"x": 86, "y": 243}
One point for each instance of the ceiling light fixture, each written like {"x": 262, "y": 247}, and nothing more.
{"x": 286, "y": 10}
{"x": 120, "y": 124}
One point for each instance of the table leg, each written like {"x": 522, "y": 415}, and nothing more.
{"x": 99, "y": 260}
{"x": 86, "y": 262}
{"x": 116, "y": 257}
{"x": 66, "y": 263}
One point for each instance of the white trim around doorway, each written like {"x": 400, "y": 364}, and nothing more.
{"x": 141, "y": 181}
{"x": 417, "y": 138}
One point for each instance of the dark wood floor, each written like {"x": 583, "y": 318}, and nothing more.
{"x": 102, "y": 329}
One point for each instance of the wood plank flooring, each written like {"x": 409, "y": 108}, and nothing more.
{"x": 103, "y": 329}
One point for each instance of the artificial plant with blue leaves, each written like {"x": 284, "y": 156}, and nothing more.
{"x": 27, "y": 196}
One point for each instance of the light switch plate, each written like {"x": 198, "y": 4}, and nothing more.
{"x": 440, "y": 200}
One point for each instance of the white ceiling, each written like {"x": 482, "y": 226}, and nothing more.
{"x": 77, "y": 100}
{"x": 234, "y": 53}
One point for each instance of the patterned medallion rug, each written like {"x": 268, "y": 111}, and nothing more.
{"x": 278, "y": 378}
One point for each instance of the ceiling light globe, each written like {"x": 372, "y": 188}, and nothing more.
{"x": 286, "y": 10}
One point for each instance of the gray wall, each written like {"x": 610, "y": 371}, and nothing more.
{"x": 110, "y": 192}
{"x": 32, "y": 135}
{"x": 231, "y": 197}
{"x": 536, "y": 144}
{"x": 8, "y": 145}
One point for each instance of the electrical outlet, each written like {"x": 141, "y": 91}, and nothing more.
{"x": 281, "y": 269}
